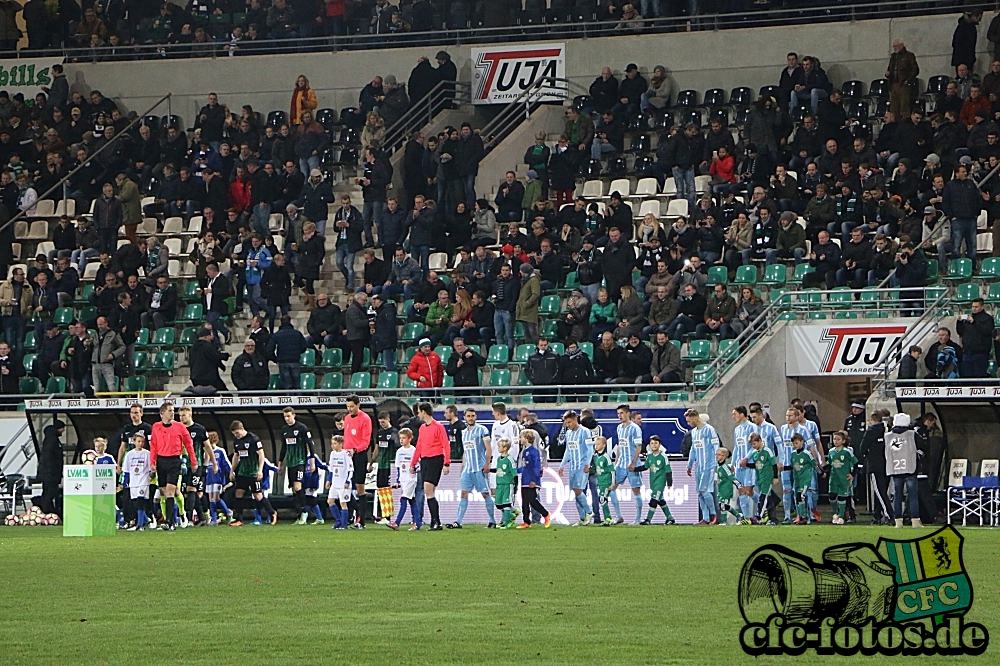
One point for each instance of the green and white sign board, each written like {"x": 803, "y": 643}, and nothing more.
{"x": 89, "y": 500}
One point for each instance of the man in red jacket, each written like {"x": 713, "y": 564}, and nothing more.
{"x": 433, "y": 453}
{"x": 426, "y": 368}
{"x": 168, "y": 441}
{"x": 357, "y": 438}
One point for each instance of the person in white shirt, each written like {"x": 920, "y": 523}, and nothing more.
{"x": 136, "y": 463}
{"x": 338, "y": 481}
{"x": 406, "y": 480}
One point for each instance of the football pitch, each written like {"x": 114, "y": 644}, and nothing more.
{"x": 308, "y": 595}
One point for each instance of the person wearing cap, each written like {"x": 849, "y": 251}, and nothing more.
{"x": 537, "y": 159}
{"x": 904, "y": 183}
{"x": 50, "y": 464}
{"x": 630, "y": 92}
{"x": 962, "y": 203}
{"x": 528, "y": 298}
{"x": 316, "y": 194}
{"x": 426, "y": 368}
{"x": 446, "y": 72}
{"x": 609, "y": 136}
{"x": 901, "y": 466}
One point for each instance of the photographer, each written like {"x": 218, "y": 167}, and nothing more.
{"x": 976, "y": 331}
{"x": 911, "y": 271}
{"x": 690, "y": 274}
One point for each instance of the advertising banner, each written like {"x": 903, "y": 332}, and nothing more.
{"x": 27, "y": 76}
{"x": 501, "y": 73}
{"x": 834, "y": 349}
{"x": 89, "y": 500}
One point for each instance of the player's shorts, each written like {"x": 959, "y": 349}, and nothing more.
{"x": 295, "y": 473}
{"x": 577, "y": 479}
{"x": 787, "y": 482}
{"x": 169, "y": 468}
{"x": 340, "y": 494}
{"x": 705, "y": 480}
{"x": 382, "y": 477}
{"x": 475, "y": 480}
{"x": 247, "y": 483}
{"x": 656, "y": 497}
{"x": 360, "y": 466}
{"x": 745, "y": 475}
{"x": 139, "y": 492}
{"x": 408, "y": 488}
{"x": 187, "y": 480}
{"x": 622, "y": 473}
{"x": 492, "y": 479}
{"x": 815, "y": 480}
{"x": 213, "y": 488}
{"x": 311, "y": 492}
{"x": 432, "y": 468}
{"x": 197, "y": 481}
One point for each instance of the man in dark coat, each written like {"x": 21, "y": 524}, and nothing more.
{"x": 50, "y": 465}
{"x": 250, "y": 371}
{"x": 384, "y": 339}
{"x": 206, "y": 360}
{"x": 617, "y": 262}
{"x": 464, "y": 364}
{"x": 11, "y": 371}
{"x": 423, "y": 77}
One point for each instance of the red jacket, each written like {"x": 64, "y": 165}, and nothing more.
{"x": 724, "y": 168}
{"x": 432, "y": 441}
{"x": 429, "y": 366}
{"x": 967, "y": 116}
{"x": 239, "y": 195}
{"x": 170, "y": 441}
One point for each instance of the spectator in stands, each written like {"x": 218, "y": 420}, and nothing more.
{"x": 579, "y": 129}
{"x": 427, "y": 291}
{"x": 784, "y": 191}
{"x": 790, "y": 242}
{"x": 690, "y": 273}
{"x": 976, "y": 332}
{"x": 16, "y": 296}
{"x": 509, "y": 199}
{"x": 349, "y": 224}
{"x": 631, "y": 316}
{"x": 11, "y": 371}
{"x": 819, "y": 212}
{"x": 630, "y": 92}
{"x": 421, "y": 231}
{"x": 902, "y": 72}
{"x": 63, "y": 238}
{"x": 749, "y": 308}
{"x": 86, "y": 245}
{"x": 373, "y": 133}
{"x": 682, "y": 153}
{"x": 214, "y": 295}
{"x": 438, "y": 316}
{"x": 358, "y": 331}
{"x": 464, "y": 364}
{"x": 815, "y": 86}
{"x": 505, "y": 295}
{"x": 665, "y": 363}
{"x": 395, "y": 103}
{"x": 791, "y": 76}
{"x": 691, "y": 307}
{"x": 404, "y": 274}
{"x": 931, "y": 359}
{"x": 311, "y": 140}
{"x": 303, "y": 99}
{"x": 467, "y": 158}
{"x": 66, "y": 280}
{"x": 882, "y": 260}
{"x": 309, "y": 259}
{"x": 49, "y": 346}
{"x": 663, "y": 310}
{"x": 205, "y": 359}
{"x": 825, "y": 259}
{"x": 765, "y": 235}
{"x": 911, "y": 271}
{"x": 603, "y": 316}
{"x": 603, "y": 91}
{"x": 564, "y": 164}
{"x": 41, "y": 265}
{"x": 325, "y": 325}
{"x": 963, "y": 41}
{"x": 617, "y": 261}
{"x": 636, "y": 361}
{"x": 609, "y": 136}
{"x": 976, "y": 102}
{"x": 608, "y": 360}
{"x": 962, "y": 203}
{"x": 107, "y": 347}
{"x": 528, "y": 299}
{"x": 720, "y": 312}
{"x": 739, "y": 238}
{"x": 383, "y": 332}
{"x": 286, "y": 347}
{"x": 426, "y": 368}
{"x": 162, "y": 306}
{"x": 855, "y": 258}
{"x": 543, "y": 369}
{"x": 250, "y": 371}
{"x": 575, "y": 366}
{"x": 44, "y": 302}
{"x": 155, "y": 259}
{"x": 763, "y": 124}
{"x": 128, "y": 195}
{"x": 908, "y": 364}
{"x": 125, "y": 321}
{"x": 108, "y": 218}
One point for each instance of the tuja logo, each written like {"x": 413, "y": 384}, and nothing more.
{"x": 900, "y": 597}
{"x": 855, "y": 349}
{"x": 501, "y": 74}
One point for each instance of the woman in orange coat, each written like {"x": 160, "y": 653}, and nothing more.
{"x": 303, "y": 99}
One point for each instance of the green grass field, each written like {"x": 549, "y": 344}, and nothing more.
{"x": 307, "y": 595}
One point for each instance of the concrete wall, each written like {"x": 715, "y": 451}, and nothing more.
{"x": 698, "y": 60}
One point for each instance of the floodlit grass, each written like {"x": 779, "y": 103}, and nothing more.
{"x": 307, "y": 595}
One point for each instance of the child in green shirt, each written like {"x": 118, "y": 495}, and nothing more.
{"x": 506, "y": 477}
{"x": 842, "y": 463}
{"x": 660, "y": 478}
{"x": 727, "y": 481}
{"x": 605, "y": 474}
{"x": 763, "y": 461}
{"x": 803, "y": 464}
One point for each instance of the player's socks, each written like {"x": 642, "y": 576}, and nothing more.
{"x": 256, "y": 512}
{"x": 463, "y": 506}
{"x": 141, "y": 518}
{"x": 581, "y": 506}
{"x": 605, "y": 508}
{"x": 666, "y": 512}
{"x": 163, "y": 507}
{"x": 213, "y": 510}
{"x": 613, "y": 496}
{"x": 318, "y": 511}
{"x": 800, "y": 509}
{"x": 402, "y": 510}
{"x": 170, "y": 510}
{"x": 837, "y": 508}
{"x": 508, "y": 516}
{"x": 178, "y": 507}
{"x": 638, "y": 505}
{"x": 267, "y": 507}
{"x": 361, "y": 506}
{"x": 649, "y": 515}
{"x": 489, "y": 507}
{"x": 432, "y": 505}
{"x": 190, "y": 503}
{"x": 297, "y": 502}
{"x": 335, "y": 510}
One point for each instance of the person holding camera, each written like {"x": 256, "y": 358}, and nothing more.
{"x": 911, "y": 271}
{"x": 976, "y": 332}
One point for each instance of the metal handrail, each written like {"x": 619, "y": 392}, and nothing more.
{"x": 423, "y": 111}
{"x": 552, "y": 29}
{"x": 521, "y": 108}
{"x": 892, "y": 357}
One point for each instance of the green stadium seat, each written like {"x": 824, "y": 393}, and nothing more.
{"x": 519, "y": 332}
{"x": 775, "y": 275}
{"x": 498, "y": 355}
{"x": 63, "y": 316}
{"x": 135, "y": 384}
{"x": 274, "y": 383}
{"x": 142, "y": 339}
{"x": 817, "y": 315}
{"x": 847, "y": 314}
{"x": 571, "y": 282}
{"x": 29, "y": 360}
{"x": 549, "y": 306}
{"x": 593, "y": 397}
{"x": 332, "y": 358}
{"x": 648, "y": 396}
{"x": 499, "y": 378}
{"x": 332, "y": 381}
{"x": 959, "y": 270}
{"x": 869, "y": 297}
{"x": 411, "y": 333}
{"x": 617, "y": 397}
{"x": 880, "y": 314}
{"x": 717, "y": 275}
{"x": 361, "y": 381}
{"x": 55, "y": 385}
{"x": 550, "y": 329}
{"x": 522, "y": 352}
{"x": 588, "y": 349}
{"x": 965, "y": 293}
{"x": 522, "y": 379}
{"x": 307, "y": 359}
{"x": 387, "y": 380}
{"x": 164, "y": 337}
{"x": 307, "y": 381}
{"x": 677, "y": 396}
{"x": 193, "y": 313}
{"x": 444, "y": 352}
{"x": 703, "y": 376}
{"x": 88, "y": 313}
{"x": 933, "y": 271}
{"x": 841, "y": 295}
{"x": 408, "y": 355}
{"x": 746, "y": 275}
{"x": 993, "y": 293}
{"x": 449, "y": 381}
{"x": 140, "y": 361}
{"x": 406, "y": 383}
{"x": 787, "y": 316}
{"x": 86, "y": 292}
{"x": 558, "y": 347}
{"x": 730, "y": 349}
{"x": 991, "y": 369}
{"x": 188, "y": 337}
{"x": 989, "y": 269}
{"x": 29, "y": 385}
{"x": 165, "y": 361}
{"x": 29, "y": 341}
{"x": 697, "y": 351}
{"x": 801, "y": 270}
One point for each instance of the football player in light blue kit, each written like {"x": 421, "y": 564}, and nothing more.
{"x": 704, "y": 442}
{"x": 742, "y": 450}
{"x": 626, "y": 460}
{"x": 475, "y": 467}
{"x": 815, "y": 446}
{"x": 577, "y": 457}
{"x": 791, "y": 427}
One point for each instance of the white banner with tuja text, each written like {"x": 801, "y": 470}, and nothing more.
{"x": 501, "y": 73}
{"x": 834, "y": 349}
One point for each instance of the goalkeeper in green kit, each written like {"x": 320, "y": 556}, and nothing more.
{"x": 660, "y": 478}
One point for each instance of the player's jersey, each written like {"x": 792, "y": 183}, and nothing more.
{"x": 578, "y": 449}
{"x": 269, "y": 468}
{"x": 341, "y": 466}
{"x": 741, "y": 444}
{"x": 136, "y": 463}
{"x": 726, "y": 477}
{"x": 310, "y": 480}
{"x": 786, "y": 450}
{"x": 813, "y": 430}
{"x": 246, "y": 447}
{"x": 629, "y": 443}
{"x": 404, "y": 456}
{"x": 126, "y": 432}
{"x": 802, "y": 469}
{"x": 660, "y": 474}
{"x": 704, "y": 442}
{"x": 474, "y": 448}
{"x": 506, "y": 471}
{"x": 199, "y": 435}
{"x": 387, "y": 440}
{"x": 508, "y": 429}
{"x": 771, "y": 437}
{"x": 842, "y": 463}
{"x": 604, "y": 469}
{"x": 296, "y": 445}
{"x": 763, "y": 462}
{"x": 221, "y": 476}
{"x": 106, "y": 459}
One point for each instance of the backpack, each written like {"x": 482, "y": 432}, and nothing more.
{"x": 947, "y": 363}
